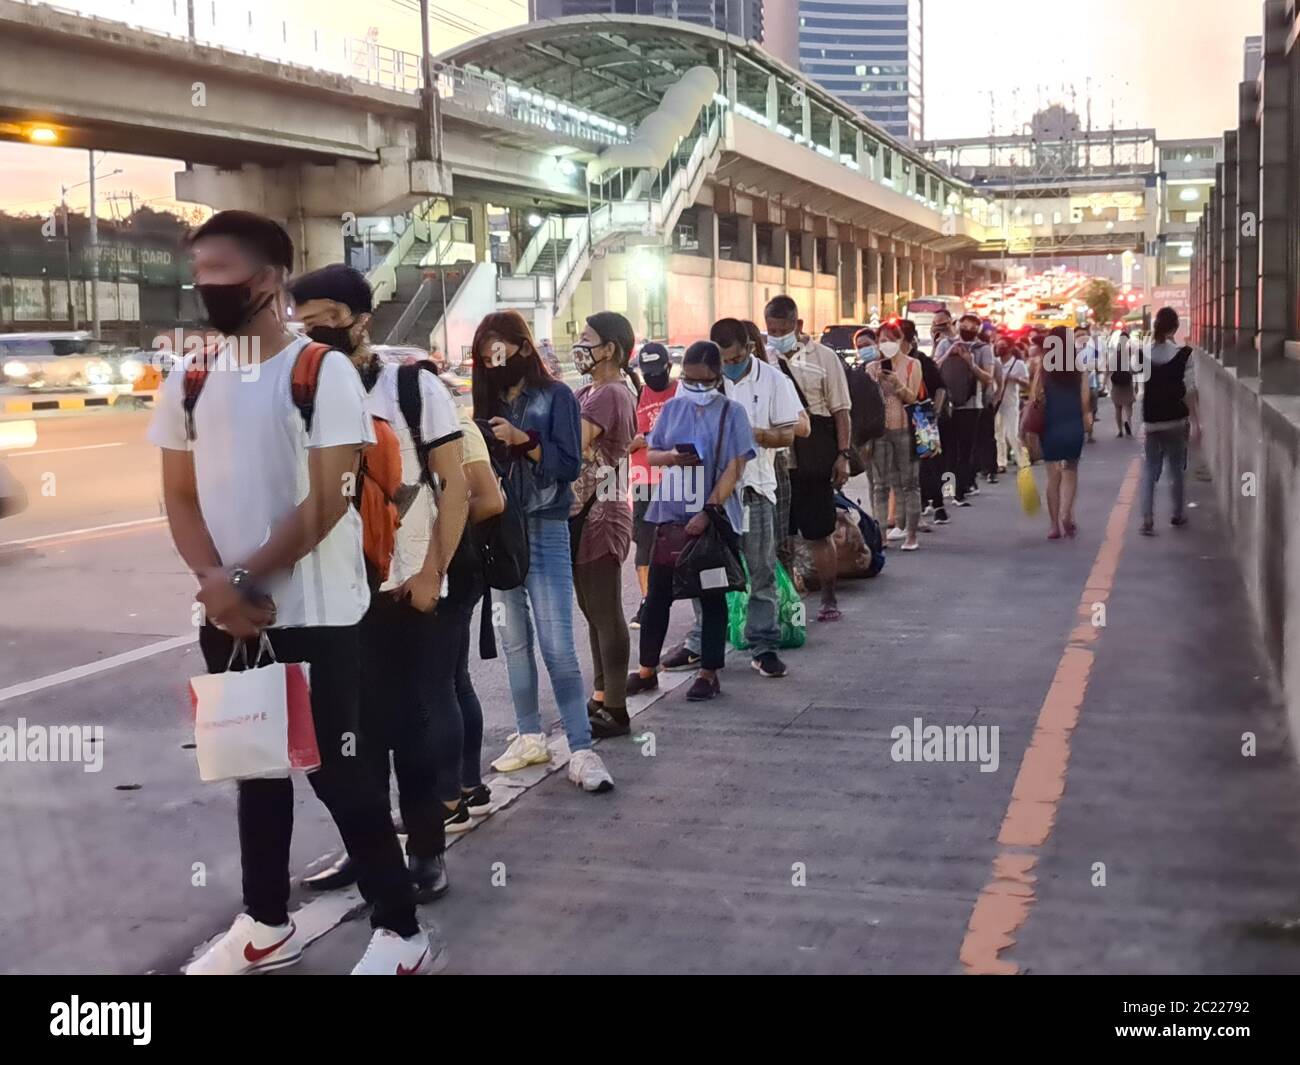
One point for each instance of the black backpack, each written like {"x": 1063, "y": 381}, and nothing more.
{"x": 868, "y": 411}
{"x": 958, "y": 378}
{"x": 870, "y": 529}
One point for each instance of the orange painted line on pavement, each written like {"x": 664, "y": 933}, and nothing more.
{"x": 1005, "y": 902}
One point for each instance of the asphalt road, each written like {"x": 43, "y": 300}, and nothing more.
{"x": 98, "y": 866}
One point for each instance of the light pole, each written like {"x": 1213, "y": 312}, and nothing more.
{"x": 93, "y": 244}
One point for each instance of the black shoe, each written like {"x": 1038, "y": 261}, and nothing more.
{"x": 594, "y": 707}
{"x": 635, "y": 623}
{"x": 1128, "y": 429}
{"x": 941, "y": 516}
{"x": 703, "y": 688}
{"x": 961, "y": 502}
{"x": 768, "y": 665}
{"x": 607, "y": 724}
{"x": 637, "y": 683}
{"x": 457, "y": 820}
{"x": 993, "y": 478}
{"x": 1178, "y": 520}
{"x": 974, "y": 489}
{"x": 429, "y": 876}
{"x": 339, "y": 875}
{"x": 478, "y": 801}
{"x": 680, "y": 659}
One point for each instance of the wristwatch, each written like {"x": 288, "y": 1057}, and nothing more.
{"x": 242, "y": 581}
{"x": 847, "y": 453}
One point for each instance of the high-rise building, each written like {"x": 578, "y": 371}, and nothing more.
{"x": 868, "y": 53}
{"x": 754, "y": 20}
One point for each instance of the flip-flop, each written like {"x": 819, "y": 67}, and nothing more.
{"x": 1053, "y": 535}
{"x": 829, "y": 613}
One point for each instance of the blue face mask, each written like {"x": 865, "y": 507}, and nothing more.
{"x": 867, "y": 354}
{"x": 783, "y": 344}
{"x": 736, "y": 370}
{"x": 699, "y": 394}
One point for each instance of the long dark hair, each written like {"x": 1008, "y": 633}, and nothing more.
{"x": 614, "y": 329}
{"x": 1166, "y": 324}
{"x": 1068, "y": 370}
{"x": 508, "y": 327}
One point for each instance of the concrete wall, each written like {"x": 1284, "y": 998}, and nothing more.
{"x": 1252, "y": 445}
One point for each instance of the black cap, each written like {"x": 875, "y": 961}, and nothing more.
{"x": 336, "y": 282}
{"x": 651, "y": 356}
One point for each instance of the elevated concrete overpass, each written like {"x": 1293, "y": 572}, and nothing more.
{"x": 818, "y": 198}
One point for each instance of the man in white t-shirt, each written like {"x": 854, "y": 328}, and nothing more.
{"x": 773, "y": 407}
{"x": 1014, "y": 377}
{"x": 257, "y": 505}
{"x": 408, "y": 663}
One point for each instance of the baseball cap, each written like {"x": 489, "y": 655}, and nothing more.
{"x": 337, "y": 282}
{"x": 652, "y": 356}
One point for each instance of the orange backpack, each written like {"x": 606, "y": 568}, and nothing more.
{"x": 379, "y": 479}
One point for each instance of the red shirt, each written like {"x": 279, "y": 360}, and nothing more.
{"x": 647, "y": 413}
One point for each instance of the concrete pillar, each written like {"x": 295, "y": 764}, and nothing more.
{"x": 905, "y": 290}
{"x": 1246, "y": 357}
{"x": 1228, "y": 248}
{"x": 600, "y": 271}
{"x": 888, "y": 284}
{"x": 850, "y": 286}
{"x": 870, "y": 281}
{"x": 707, "y": 226}
{"x": 773, "y": 102}
{"x": 1276, "y": 300}
{"x": 478, "y": 226}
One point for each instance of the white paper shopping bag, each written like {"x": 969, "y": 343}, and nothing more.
{"x": 256, "y": 722}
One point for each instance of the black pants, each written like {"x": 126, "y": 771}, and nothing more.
{"x": 965, "y": 431}
{"x": 462, "y": 603}
{"x": 658, "y": 608}
{"x": 947, "y": 462}
{"x": 409, "y": 707}
{"x": 986, "y": 446}
{"x": 357, "y": 804}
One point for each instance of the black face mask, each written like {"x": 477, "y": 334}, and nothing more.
{"x": 969, "y": 334}
{"x": 656, "y": 381}
{"x": 230, "y": 307}
{"x": 338, "y": 337}
{"x": 509, "y": 375}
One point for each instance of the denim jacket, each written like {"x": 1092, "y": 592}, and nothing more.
{"x": 542, "y": 487}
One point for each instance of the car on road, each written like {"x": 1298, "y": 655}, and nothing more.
{"x": 47, "y": 361}
{"x": 839, "y": 338}
{"x": 403, "y": 355}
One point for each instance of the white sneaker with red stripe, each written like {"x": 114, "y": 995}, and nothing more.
{"x": 391, "y": 955}
{"x": 248, "y": 947}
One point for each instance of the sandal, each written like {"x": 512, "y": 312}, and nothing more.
{"x": 829, "y": 613}
{"x": 1148, "y": 528}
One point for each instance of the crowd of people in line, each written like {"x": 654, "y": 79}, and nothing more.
{"x": 346, "y": 512}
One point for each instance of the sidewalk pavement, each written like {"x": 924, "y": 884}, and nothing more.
{"x": 772, "y": 831}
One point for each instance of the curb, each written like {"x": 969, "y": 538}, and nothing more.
{"x": 28, "y": 406}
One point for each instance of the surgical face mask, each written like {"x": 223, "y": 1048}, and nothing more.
{"x": 889, "y": 348}
{"x": 867, "y": 353}
{"x": 230, "y": 307}
{"x": 969, "y": 334}
{"x": 338, "y": 337}
{"x": 701, "y": 393}
{"x": 783, "y": 344}
{"x": 735, "y": 371}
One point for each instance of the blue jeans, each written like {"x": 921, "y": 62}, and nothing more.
{"x": 758, "y": 545}
{"x": 547, "y": 594}
{"x": 1164, "y": 446}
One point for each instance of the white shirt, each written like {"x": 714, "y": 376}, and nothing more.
{"x": 250, "y": 463}
{"x": 439, "y": 423}
{"x": 771, "y": 402}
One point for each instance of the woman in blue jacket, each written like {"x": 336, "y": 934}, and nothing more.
{"x": 534, "y": 422}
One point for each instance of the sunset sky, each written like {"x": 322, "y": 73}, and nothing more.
{"x": 1169, "y": 64}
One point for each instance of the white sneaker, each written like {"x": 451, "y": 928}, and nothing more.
{"x": 391, "y": 955}
{"x": 528, "y": 749}
{"x": 895, "y": 534}
{"x": 249, "y": 946}
{"x": 589, "y": 772}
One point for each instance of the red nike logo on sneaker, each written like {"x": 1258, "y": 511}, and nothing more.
{"x": 253, "y": 954}
{"x": 402, "y": 970}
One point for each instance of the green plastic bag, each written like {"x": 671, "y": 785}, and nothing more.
{"x": 789, "y": 612}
